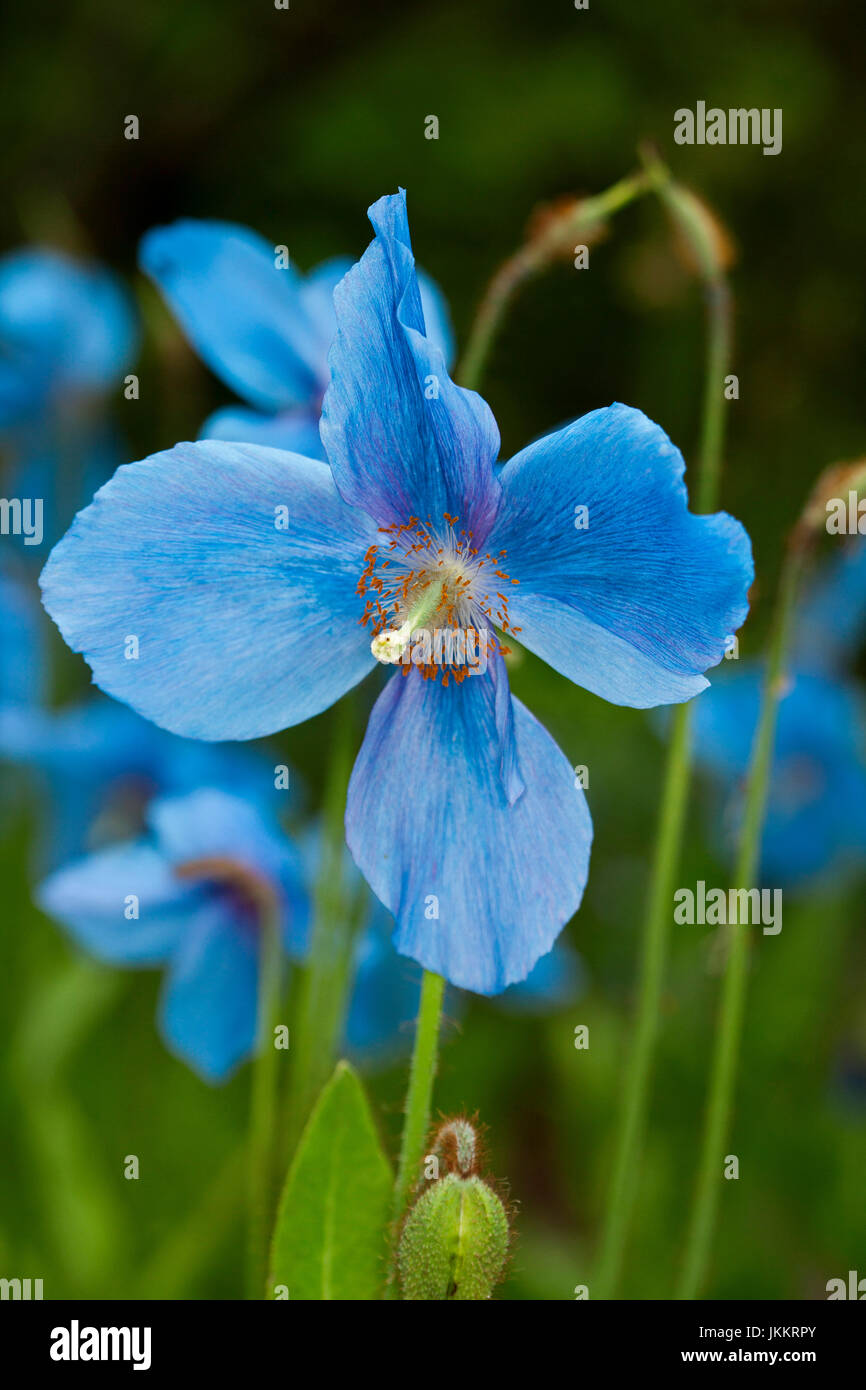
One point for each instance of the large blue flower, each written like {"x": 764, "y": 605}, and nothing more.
{"x": 189, "y": 897}
{"x": 261, "y": 327}
{"x": 816, "y": 813}
{"x": 67, "y": 336}
{"x": 462, "y": 813}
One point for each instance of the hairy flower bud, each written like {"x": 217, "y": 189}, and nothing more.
{"x": 455, "y": 1239}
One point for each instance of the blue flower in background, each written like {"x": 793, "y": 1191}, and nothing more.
{"x": 816, "y": 812}
{"x": 22, "y": 668}
{"x": 67, "y": 337}
{"x": 98, "y": 762}
{"x": 189, "y": 897}
{"x": 261, "y": 327}
{"x": 387, "y": 985}
{"x": 462, "y": 814}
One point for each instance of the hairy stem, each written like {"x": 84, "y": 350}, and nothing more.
{"x": 416, "y": 1123}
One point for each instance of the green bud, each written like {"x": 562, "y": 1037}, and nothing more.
{"x": 454, "y": 1242}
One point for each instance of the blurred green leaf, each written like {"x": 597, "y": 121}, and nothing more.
{"x": 329, "y": 1241}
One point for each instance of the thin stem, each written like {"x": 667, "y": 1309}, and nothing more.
{"x": 263, "y": 1105}
{"x": 692, "y": 224}
{"x": 418, "y": 1102}
{"x": 718, "y": 352}
{"x": 559, "y": 230}
{"x": 732, "y": 1004}
{"x": 632, "y": 1117}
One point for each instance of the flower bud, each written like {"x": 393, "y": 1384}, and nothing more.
{"x": 454, "y": 1242}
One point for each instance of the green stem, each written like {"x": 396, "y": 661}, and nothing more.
{"x": 718, "y": 302}
{"x": 263, "y": 1106}
{"x": 535, "y": 255}
{"x": 657, "y": 923}
{"x": 635, "y": 1097}
{"x": 732, "y": 1004}
{"x": 418, "y": 1102}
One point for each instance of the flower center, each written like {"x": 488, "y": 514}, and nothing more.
{"x": 250, "y": 893}
{"x": 432, "y": 599}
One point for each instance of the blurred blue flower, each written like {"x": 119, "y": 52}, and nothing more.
{"x": 816, "y": 812}
{"x": 22, "y": 667}
{"x": 97, "y": 762}
{"x": 188, "y": 897}
{"x": 387, "y": 986}
{"x": 261, "y": 327}
{"x": 99, "y": 765}
{"x": 463, "y": 815}
{"x": 67, "y": 336}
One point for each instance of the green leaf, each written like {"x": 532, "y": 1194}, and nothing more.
{"x": 329, "y": 1240}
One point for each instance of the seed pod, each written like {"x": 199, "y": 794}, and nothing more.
{"x": 454, "y": 1242}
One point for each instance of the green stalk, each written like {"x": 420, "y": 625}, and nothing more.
{"x": 263, "y": 1106}
{"x": 732, "y": 1004}
{"x": 418, "y": 1102}
{"x": 693, "y": 223}
{"x": 635, "y": 1096}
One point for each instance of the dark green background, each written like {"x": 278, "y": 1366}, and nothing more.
{"x": 293, "y": 122}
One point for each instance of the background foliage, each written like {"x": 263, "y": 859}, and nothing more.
{"x": 293, "y": 122}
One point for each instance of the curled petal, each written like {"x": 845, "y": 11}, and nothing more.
{"x": 402, "y": 439}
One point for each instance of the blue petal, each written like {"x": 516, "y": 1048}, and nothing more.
{"x": 91, "y": 898}
{"x": 437, "y": 317}
{"x": 428, "y": 819}
{"x": 65, "y": 328}
{"x": 212, "y": 823}
{"x": 638, "y": 605}
{"x": 297, "y": 431}
{"x": 240, "y": 310}
{"x": 208, "y": 1011}
{"x": 395, "y": 452}
{"x": 242, "y": 628}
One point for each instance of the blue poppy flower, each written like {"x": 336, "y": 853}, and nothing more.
{"x": 462, "y": 814}
{"x": 67, "y": 336}
{"x": 261, "y": 327}
{"x": 189, "y": 897}
{"x": 816, "y": 811}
